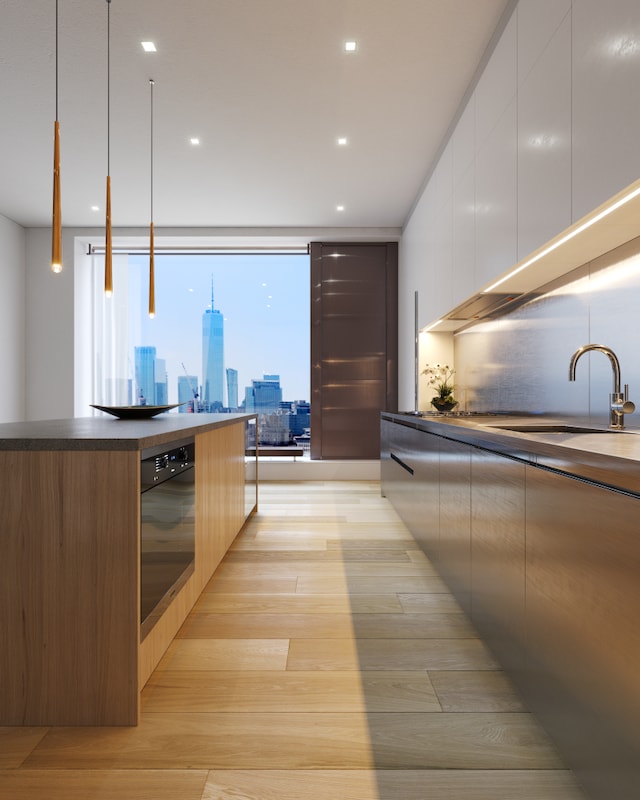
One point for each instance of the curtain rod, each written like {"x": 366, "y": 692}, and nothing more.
{"x": 237, "y": 251}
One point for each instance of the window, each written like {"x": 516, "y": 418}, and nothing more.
{"x": 231, "y": 333}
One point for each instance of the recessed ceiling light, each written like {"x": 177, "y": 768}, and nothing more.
{"x": 194, "y": 140}
{"x": 350, "y": 47}
{"x": 339, "y": 208}
{"x": 148, "y": 47}
{"x": 95, "y": 208}
{"x": 342, "y": 141}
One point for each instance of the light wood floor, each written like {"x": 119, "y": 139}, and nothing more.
{"x": 325, "y": 659}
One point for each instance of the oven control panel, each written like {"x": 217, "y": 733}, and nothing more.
{"x": 165, "y": 464}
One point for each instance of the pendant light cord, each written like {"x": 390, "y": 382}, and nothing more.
{"x": 151, "y": 83}
{"x": 108, "y": 87}
{"x": 56, "y": 59}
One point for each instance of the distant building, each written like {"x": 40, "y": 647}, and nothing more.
{"x": 161, "y": 394}
{"x": 232, "y": 388}
{"x": 263, "y": 396}
{"x": 212, "y": 357}
{"x": 145, "y": 377}
{"x": 300, "y": 420}
{"x": 187, "y": 393}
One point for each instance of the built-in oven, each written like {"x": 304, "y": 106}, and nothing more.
{"x": 167, "y": 528}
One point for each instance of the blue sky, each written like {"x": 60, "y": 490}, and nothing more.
{"x": 265, "y": 302}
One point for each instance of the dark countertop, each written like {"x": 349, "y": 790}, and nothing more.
{"x": 609, "y": 458}
{"x": 109, "y": 433}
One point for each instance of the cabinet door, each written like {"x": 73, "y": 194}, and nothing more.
{"x": 410, "y": 480}
{"x": 498, "y": 554}
{"x": 395, "y": 470}
{"x": 354, "y": 346}
{"x": 425, "y": 523}
{"x": 583, "y": 606}
{"x": 454, "y": 555}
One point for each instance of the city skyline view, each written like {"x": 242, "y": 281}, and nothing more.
{"x": 263, "y": 300}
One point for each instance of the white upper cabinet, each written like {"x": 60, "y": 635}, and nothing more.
{"x": 551, "y": 131}
{"x": 606, "y": 110}
{"x": 463, "y": 236}
{"x": 544, "y": 134}
{"x": 538, "y": 21}
{"x": 463, "y": 210}
{"x": 463, "y": 142}
{"x": 496, "y": 201}
{"x": 497, "y": 87}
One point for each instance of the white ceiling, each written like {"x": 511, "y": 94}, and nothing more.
{"x": 266, "y": 86}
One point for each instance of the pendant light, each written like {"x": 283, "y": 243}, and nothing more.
{"x": 56, "y": 223}
{"x": 152, "y": 279}
{"x": 108, "y": 271}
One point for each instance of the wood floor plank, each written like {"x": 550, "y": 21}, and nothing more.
{"x": 304, "y": 741}
{"x": 370, "y": 585}
{"x": 279, "y": 626}
{"x": 289, "y": 692}
{"x": 209, "y": 741}
{"x": 390, "y": 785}
{"x": 297, "y": 603}
{"x": 390, "y": 654}
{"x": 277, "y": 543}
{"x": 291, "y": 569}
{"x": 335, "y": 555}
{"x": 130, "y": 784}
{"x": 427, "y": 603}
{"x": 413, "y": 626}
{"x": 17, "y": 743}
{"x": 252, "y": 585}
{"x": 475, "y": 691}
{"x": 226, "y": 654}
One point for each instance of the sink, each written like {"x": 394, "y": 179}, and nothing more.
{"x": 553, "y": 428}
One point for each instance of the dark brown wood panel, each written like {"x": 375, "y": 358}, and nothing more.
{"x": 354, "y": 344}
{"x": 454, "y": 563}
{"x": 498, "y": 554}
{"x": 583, "y": 604}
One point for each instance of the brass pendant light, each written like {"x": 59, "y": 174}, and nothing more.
{"x": 56, "y": 224}
{"x": 108, "y": 270}
{"x": 152, "y": 279}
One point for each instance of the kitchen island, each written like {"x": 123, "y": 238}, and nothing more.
{"x": 70, "y": 568}
{"x": 533, "y": 524}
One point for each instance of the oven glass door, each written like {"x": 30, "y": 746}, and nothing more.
{"x": 167, "y": 549}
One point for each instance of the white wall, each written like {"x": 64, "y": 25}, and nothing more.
{"x": 549, "y": 132}
{"x": 12, "y": 320}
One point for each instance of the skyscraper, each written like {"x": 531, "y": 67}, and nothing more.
{"x": 213, "y": 356}
{"x": 232, "y": 388}
{"x": 161, "y": 397}
{"x": 263, "y": 396}
{"x": 145, "y": 378}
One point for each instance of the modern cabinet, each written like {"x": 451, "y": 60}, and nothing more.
{"x": 410, "y": 479}
{"x": 583, "y": 637}
{"x": 605, "y": 123}
{"x": 547, "y": 566}
{"x": 544, "y": 131}
{"x": 70, "y": 569}
{"x": 454, "y": 553}
{"x": 498, "y": 554}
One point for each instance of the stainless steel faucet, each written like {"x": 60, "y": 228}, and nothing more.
{"x": 619, "y": 403}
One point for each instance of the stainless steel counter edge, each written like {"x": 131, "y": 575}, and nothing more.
{"x": 109, "y": 433}
{"x": 609, "y": 458}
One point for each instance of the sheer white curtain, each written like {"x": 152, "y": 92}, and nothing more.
{"x": 116, "y": 323}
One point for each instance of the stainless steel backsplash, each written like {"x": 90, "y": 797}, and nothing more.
{"x": 520, "y": 362}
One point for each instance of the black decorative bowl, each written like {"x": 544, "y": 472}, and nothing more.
{"x": 135, "y": 412}
{"x": 443, "y": 406}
